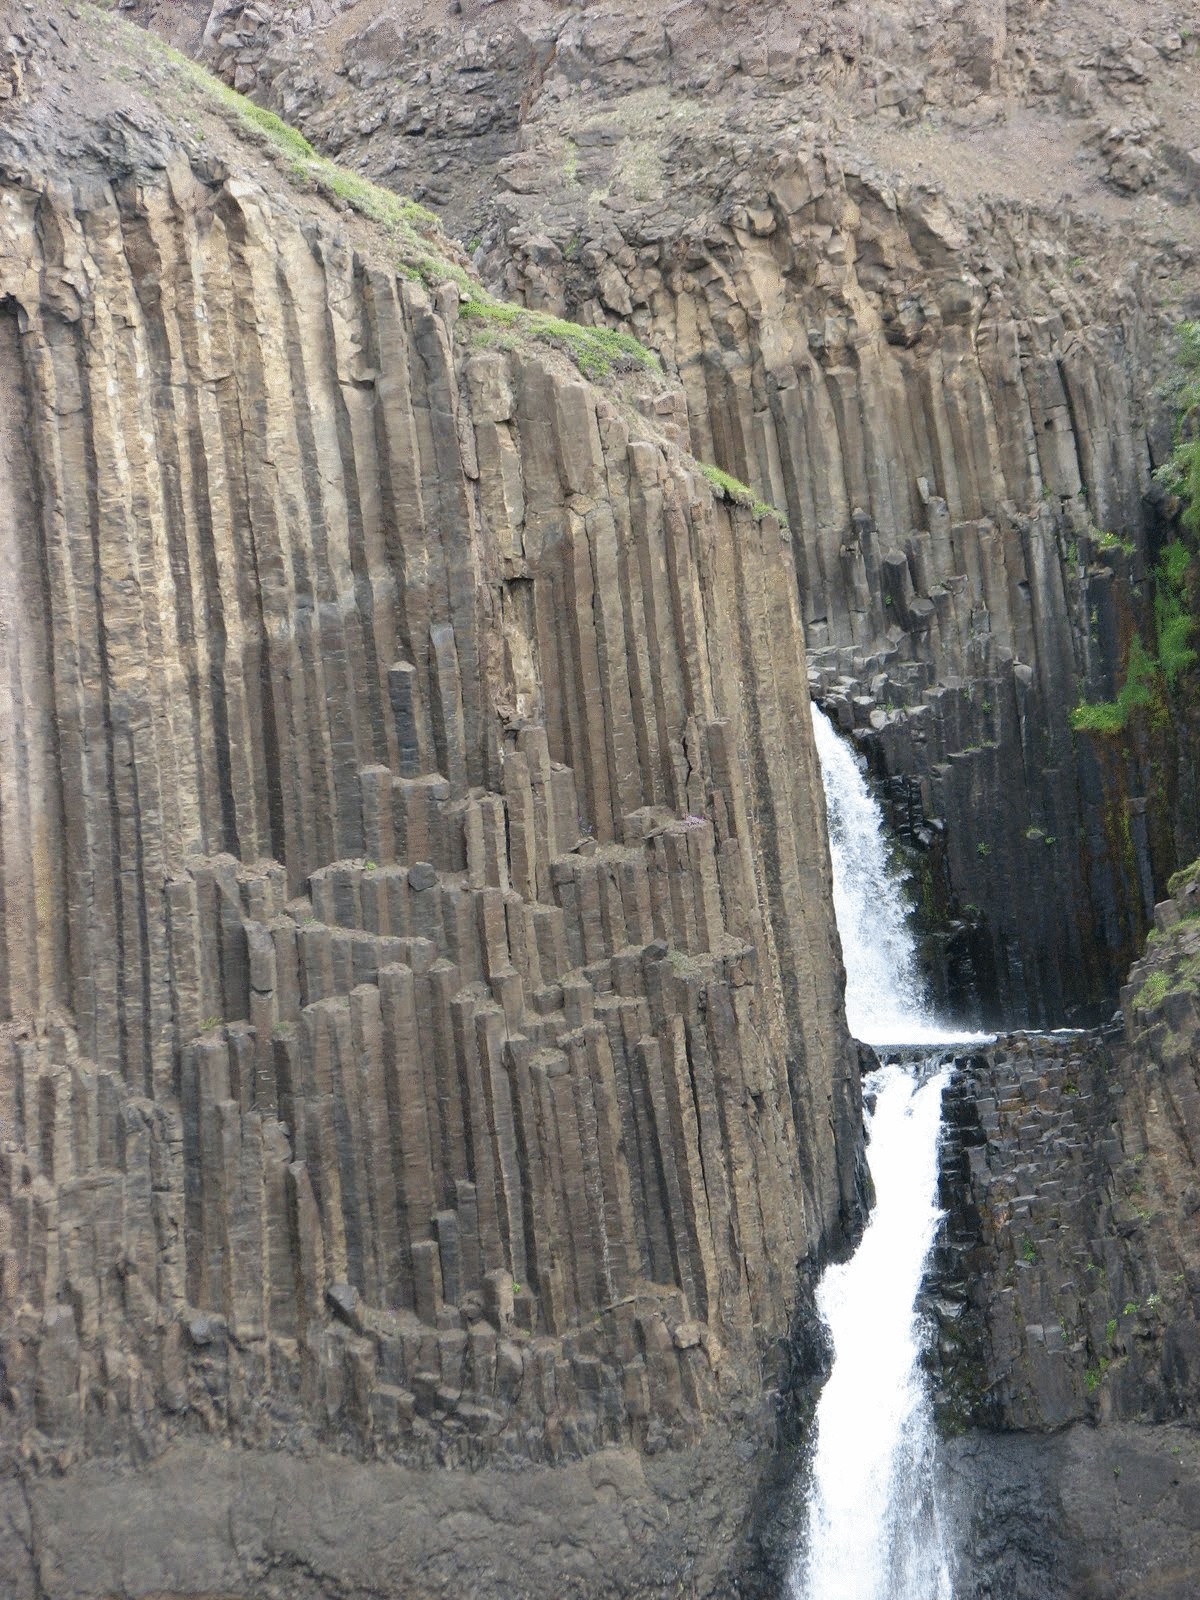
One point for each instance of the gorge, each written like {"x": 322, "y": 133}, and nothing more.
{"x": 874, "y": 1524}
{"x": 447, "y": 450}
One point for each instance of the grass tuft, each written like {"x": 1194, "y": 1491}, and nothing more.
{"x": 597, "y": 352}
{"x": 731, "y": 488}
{"x": 415, "y": 235}
{"x": 1153, "y": 991}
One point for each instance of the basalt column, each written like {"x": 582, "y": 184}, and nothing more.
{"x": 422, "y": 997}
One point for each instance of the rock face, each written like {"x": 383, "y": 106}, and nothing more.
{"x": 878, "y": 252}
{"x": 1097, "y": 1512}
{"x": 423, "y": 1032}
{"x": 421, "y": 1039}
{"x": 1066, "y": 1291}
{"x": 213, "y": 1524}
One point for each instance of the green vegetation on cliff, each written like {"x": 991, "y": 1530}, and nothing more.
{"x": 1151, "y": 676}
{"x": 1180, "y": 474}
{"x": 1111, "y": 716}
{"x": 1172, "y": 958}
{"x": 1174, "y": 623}
{"x": 595, "y": 351}
{"x": 731, "y": 488}
{"x": 422, "y": 251}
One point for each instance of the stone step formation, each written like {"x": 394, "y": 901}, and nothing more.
{"x": 422, "y": 1040}
{"x": 406, "y": 1044}
{"x": 898, "y": 266}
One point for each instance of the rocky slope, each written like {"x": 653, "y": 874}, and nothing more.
{"x": 886, "y": 252}
{"x": 423, "y": 1033}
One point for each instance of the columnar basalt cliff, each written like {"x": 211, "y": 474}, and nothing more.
{"x": 423, "y": 1009}
{"x": 1066, "y": 1291}
{"x": 425, "y": 1092}
{"x": 886, "y": 256}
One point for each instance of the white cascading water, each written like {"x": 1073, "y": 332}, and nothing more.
{"x": 884, "y": 1002}
{"x": 872, "y": 1529}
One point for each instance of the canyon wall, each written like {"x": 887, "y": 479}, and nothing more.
{"x": 422, "y": 1026}
{"x": 421, "y": 1037}
{"x": 1065, "y": 1292}
{"x": 889, "y": 260}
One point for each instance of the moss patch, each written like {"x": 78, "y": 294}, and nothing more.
{"x": 1180, "y": 473}
{"x": 421, "y": 250}
{"x": 597, "y": 352}
{"x": 1173, "y": 621}
{"x": 730, "y": 488}
{"x": 1180, "y": 880}
{"x": 1111, "y": 716}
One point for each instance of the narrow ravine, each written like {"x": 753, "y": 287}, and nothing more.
{"x": 871, "y": 1523}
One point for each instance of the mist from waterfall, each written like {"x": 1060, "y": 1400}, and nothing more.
{"x": 872, "y": 1530}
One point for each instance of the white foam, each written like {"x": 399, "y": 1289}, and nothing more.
{"x": 872, "y": 1528}
{"x": 885, "y": 1000}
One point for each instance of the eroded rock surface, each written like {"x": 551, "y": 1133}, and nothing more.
{"x": 917, "y": 273}
{"x": 1066, "y": 1289}
{"x": 423, "y": 1033}
{"x": 1073, "y": 1186}
{"x": 422, "y": 1041}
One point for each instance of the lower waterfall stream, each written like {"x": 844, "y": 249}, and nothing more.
{"x": 871, "y": 1523}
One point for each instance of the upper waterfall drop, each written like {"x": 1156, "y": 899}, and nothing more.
{"x": 885, "y": 1001}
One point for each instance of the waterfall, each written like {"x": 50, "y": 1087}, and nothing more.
{"x": 884, "y": 993}
{"x": 872, "y": 1529}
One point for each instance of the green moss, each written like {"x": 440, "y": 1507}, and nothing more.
{"x": 1153, "y": 991}
{"x": 597, "y": 352}
{"x": 1180, "y": 880}
{"x": 1107, "y": 717}
{"x": 1174, "y": 652}
{"x": 1180, "y": 473}
{"x": 731, "y": 488}
{"x": 1173, "y": 621}
{"x": 1102, "y": 717}
{"x": 1173, "y": 563}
